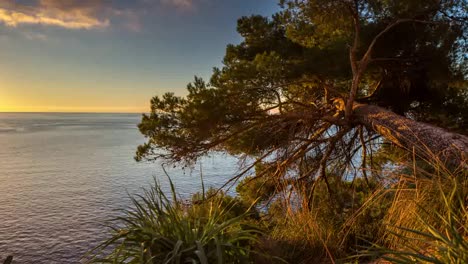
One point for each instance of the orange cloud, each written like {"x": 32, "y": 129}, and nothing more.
{"x": 73, "y": 14}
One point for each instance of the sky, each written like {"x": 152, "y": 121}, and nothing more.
{"x": 111, "y": 55}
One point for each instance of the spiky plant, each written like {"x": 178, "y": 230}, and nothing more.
{"x": 162, "y": 230}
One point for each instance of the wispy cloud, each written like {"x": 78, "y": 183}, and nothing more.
{"x": 35, "y": 36}
{"x": 86, "y": 14}
{"x": 129, "y": 19}
{"x": 178, "y": 4}
{"x": 181, "y": 4}
{"x": 72, "y": 14}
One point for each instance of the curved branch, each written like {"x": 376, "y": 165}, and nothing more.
{"x": 364, "y": 62}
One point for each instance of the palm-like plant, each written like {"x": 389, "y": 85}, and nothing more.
{"x": 162, "y": 230}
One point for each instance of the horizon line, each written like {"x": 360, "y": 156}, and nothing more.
{"x": 67, "y": 112}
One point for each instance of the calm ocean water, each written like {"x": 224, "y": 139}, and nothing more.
{"x": 63, "y": 175}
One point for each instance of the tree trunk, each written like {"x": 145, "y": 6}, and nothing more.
{"x": 425, "y": 140}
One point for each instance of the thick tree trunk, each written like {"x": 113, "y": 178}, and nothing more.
{"x": 425, "y": 140}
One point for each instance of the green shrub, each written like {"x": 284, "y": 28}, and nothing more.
{"x": 160, "y": 230}
{"x": 235, "y": 206}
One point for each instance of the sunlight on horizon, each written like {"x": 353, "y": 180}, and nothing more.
{"x": 32, "y": 100}
{"x": 48, "y": 109}
{"x": 103, "y": 56}
{"x": 18, "y": 108}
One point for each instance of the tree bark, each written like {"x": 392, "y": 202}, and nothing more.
{"x": 427, "y": 141}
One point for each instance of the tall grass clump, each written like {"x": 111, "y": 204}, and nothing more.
{"x": 428, "y": 219}
{"x": 442, "y": 237}
{"x": 158, "y": 229}
{"x": 409, "y": 212}
{"x": 307, "y": 226}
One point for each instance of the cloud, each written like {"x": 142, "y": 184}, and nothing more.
{"x": 72, "y": 14}
{"x": 181, "y": 4}
{"x": 87, "y": 14}
{"x": 35, "y": 36}
{"x": 129, "y": 19}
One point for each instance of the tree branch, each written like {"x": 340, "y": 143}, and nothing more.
{"x": 364, "y": 62}
{"x": 364, "y": 154}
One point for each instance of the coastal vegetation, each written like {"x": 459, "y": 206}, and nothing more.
{"x": 351, "y": 119}
{"x": 162, "y": 229}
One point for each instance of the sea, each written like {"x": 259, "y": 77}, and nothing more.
{"x": 63, "y": 176}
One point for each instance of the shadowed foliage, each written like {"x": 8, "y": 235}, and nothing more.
{"x": 315, "y": 87}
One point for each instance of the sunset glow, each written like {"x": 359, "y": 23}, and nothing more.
{"x": 102, "y": 56}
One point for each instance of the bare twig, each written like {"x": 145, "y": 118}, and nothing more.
{"x": 364, "y": 154}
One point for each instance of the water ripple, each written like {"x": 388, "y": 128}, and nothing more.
{"x": 63, "y": 175}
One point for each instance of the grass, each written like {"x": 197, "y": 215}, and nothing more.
{"x": 417, "y": 214}
{"x": 330, "y": 226}
{"x": 435, "y": 233}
